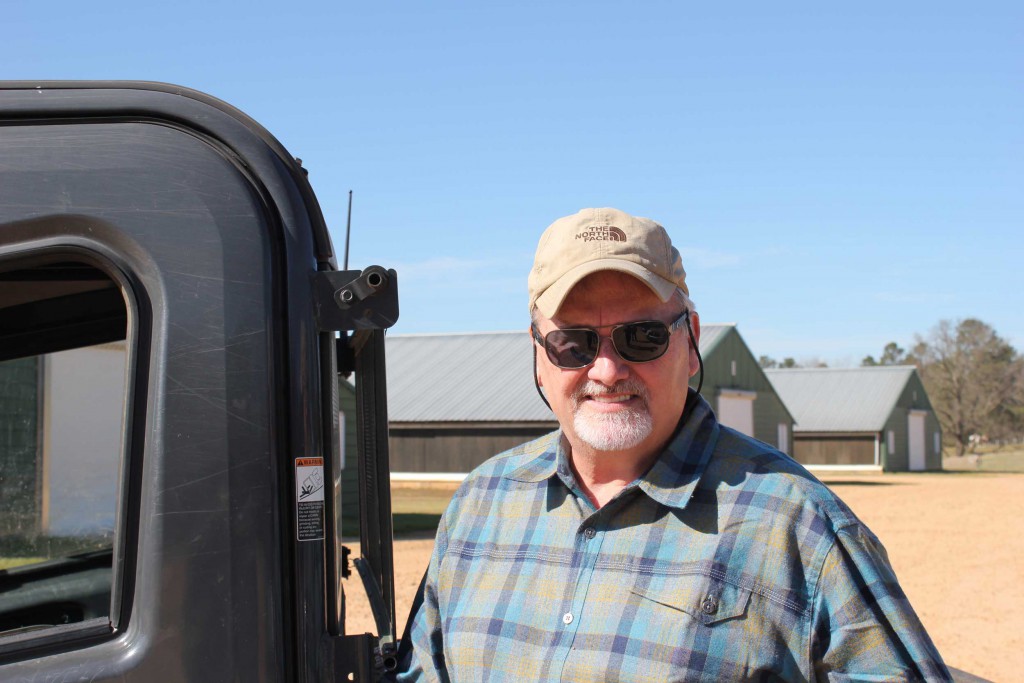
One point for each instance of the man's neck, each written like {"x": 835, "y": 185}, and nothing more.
{"x": 601, "y": 475}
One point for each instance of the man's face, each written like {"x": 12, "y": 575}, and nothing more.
{"x": 612, "y": 404}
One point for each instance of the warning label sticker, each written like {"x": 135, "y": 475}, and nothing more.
{"x": 309, "y": 498}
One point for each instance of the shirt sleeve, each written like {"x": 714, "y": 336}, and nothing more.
{"x": 864, "y": 628}
{"x": 421, "y": 652}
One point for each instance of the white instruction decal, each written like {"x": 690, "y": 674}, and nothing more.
{"x": 309, "y": 498}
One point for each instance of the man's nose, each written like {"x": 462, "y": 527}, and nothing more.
{"x": 608, "y": 368}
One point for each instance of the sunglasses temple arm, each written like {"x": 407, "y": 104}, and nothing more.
{"x": 693, "y": 344}
{"x": 536, "y": 383}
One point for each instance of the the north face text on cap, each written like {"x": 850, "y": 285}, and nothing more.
{"x": 607, "y": 233}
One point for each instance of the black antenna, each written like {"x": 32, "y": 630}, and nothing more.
{"x": 348, "y": 229}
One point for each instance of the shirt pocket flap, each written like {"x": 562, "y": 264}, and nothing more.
{"x": 706, "y": 599}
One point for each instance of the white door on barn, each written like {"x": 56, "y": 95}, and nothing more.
{"x": 736, "y": 410}
{"x": 83, "y": 412}
{"x": 915, "y": 439}
{"x": 783, "y": 444}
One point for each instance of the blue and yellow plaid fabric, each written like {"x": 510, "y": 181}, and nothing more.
{"x": 727, "y": 561}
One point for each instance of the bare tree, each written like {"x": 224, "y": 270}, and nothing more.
{"x": 973, "y": 377}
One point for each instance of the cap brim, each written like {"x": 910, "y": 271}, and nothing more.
{"x": 551, "y": 300}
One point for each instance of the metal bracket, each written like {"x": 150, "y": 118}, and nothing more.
{"x": 352, "y": 300}
{"x": 343, "y": 562}
{"x": 387, "y": 648}
{"x": 354, "y": 658}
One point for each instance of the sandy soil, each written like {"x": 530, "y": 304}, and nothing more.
{"x": 955, "y": 541}
{"x": 411, "y": 558}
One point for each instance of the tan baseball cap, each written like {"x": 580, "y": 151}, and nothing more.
{"x": 602, "y": 239}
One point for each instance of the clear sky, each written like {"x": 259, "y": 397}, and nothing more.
{"x": 836, "y": 175}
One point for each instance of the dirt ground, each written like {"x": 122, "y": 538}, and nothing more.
{"x": 955, "y": 541}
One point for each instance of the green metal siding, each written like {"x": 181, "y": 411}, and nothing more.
{"x": 350, "y": 474}
{"x": 718, "y": 375}
{"x": 20, "y": 504}
{"x": 933, "y": 433}
{"x": 769, "y": 410}
{"x": 896, "y": 460}
{"x": 768, "y": 413}
{"x": 913, "y": 397}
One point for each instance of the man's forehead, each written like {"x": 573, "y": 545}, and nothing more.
{"x": 612, "y": 293}
{"x": 606, "y": 284}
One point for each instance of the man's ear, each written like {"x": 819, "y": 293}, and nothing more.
{"x": 695, "y": 325}
{"x": 694, "y": 343}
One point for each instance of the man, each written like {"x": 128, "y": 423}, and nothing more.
{"x": 644, "y": 541}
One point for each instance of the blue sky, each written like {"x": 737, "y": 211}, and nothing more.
{"x": 837, "y": 176}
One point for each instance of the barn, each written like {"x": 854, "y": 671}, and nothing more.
{"x": 61, "y": 427}
{"x": 871, "y": 418}
{"x": 455, "y": 400}
{"x": 348, "y": 452}
{"x": 739, "y": 391}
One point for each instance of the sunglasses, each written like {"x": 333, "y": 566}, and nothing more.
{"x": 638, "y": 342}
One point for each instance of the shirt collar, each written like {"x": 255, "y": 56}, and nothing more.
{"x": 672, "y": 479}
{"x": 548, "y": 462}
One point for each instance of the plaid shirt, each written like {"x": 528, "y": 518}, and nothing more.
{"x": 727, "y": 561}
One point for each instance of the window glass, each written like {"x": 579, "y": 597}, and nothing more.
{"x": 63, "y": 366}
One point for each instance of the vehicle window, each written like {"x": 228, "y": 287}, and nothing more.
{"x": 63, "y": 366}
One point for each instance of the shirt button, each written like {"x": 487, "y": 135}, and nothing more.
{"x": 710, "y": 605}
{"x": 567, "y": 618}
{"x": 589, "y": 532}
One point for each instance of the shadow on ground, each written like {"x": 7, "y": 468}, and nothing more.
{"x": 964, "y": 677}
{"x": 413, "y": 522}
{"x": 405, "y": 525}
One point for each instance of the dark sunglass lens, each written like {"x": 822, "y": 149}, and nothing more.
{"x": 572, "y": 348}
{"x": 641, "y": 342}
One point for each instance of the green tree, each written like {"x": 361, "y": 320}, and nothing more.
{"x": 892, "y": 354}
{"x": 788, "y": 363}
{"x": 974, "y": 379}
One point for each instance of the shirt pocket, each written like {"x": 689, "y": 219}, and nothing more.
{"x": 707, "y": 600}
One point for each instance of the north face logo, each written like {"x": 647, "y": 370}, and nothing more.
{"x": 606, "y": 233}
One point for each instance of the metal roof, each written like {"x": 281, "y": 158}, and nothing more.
{"x": 711, "y": 334}
{"x": 472, "y": 377}
{"x": 840, "y": 399}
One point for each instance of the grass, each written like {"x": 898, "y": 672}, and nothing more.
{"x": 12, "y": 562}
{"x": 429, "y": 500}
{"x": 414, "y": 510}
{"x": 418, "y": 509}
{"x": 20, "y": 550}
{"x": 988, "y": 459}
